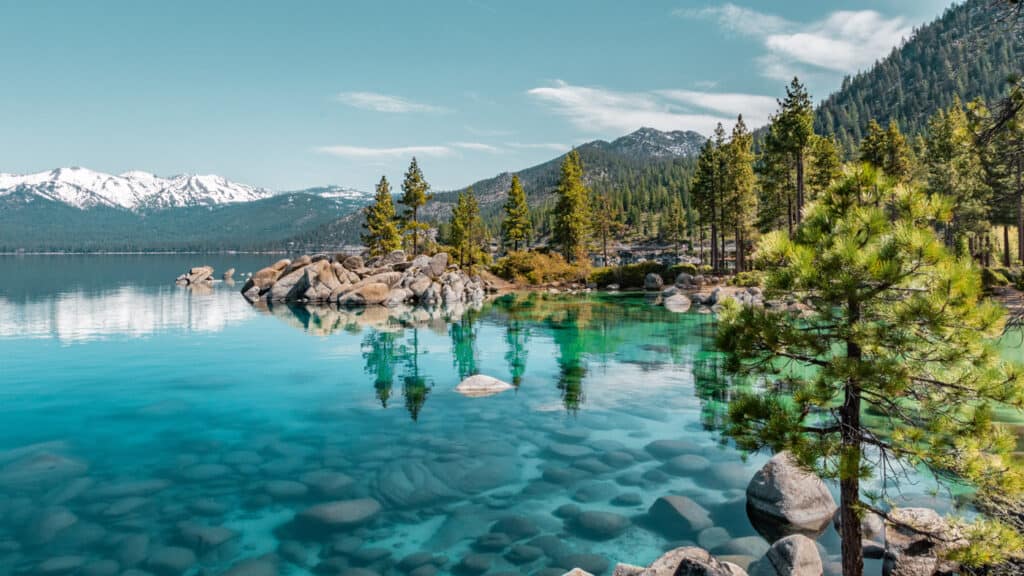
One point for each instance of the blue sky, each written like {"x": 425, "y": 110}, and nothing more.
{"x": 298, "y": 94}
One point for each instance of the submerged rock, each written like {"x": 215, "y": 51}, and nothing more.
{"x": 784, "y": 499}
{"x": 596, "y": 525}
{"x": 691, "y": 561}
{"x": 678, "y": 517}
{"x": 677, "y": 303}
{"x": 339, "y": 515}
{"x": 479, "y": 386}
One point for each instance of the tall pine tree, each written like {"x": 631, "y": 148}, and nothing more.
{"x": 516, "y": 227}
{"x": 900, "y": 330}
{"x": 741, "y": 200}
{"x": 572, "y": 211}
{"x": 415, "y": 194}
{"x": 792, "y": 128}
{"x": 466, "y": 231}
{"x": 382, "y": 235}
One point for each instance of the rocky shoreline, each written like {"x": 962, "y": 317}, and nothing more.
{"x": 350, "y": 282}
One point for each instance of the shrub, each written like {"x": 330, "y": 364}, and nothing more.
{"x": 991, "y": 277}
{"x": 704, "y": 269}
{"x": 537, "y": 268}
{"x": 629, "y": 276}
{"x": 678, "y": 269}
{"x": 748, "y": 279}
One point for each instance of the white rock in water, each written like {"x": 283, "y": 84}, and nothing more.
{"x": 479, "y": 386}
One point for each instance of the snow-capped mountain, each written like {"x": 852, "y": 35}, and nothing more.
{"x": 335, "y": 193}
{"x": 135, "y": 191}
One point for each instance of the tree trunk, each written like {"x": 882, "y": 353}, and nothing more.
{"x": 1020, "y": 208}
{"x": 789, "y": 213}
{"x": 1006, "y": 245}
{"x": 702, "y": 246}
{"x": 849, "y": 487}
{"x": 415, "y": 231}
{"x": 799, "y": 185}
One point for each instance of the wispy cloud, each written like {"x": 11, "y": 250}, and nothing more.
{"x": 365, "y": 152}
{"x": 476, "y": 146}
{"x": 538, "y": 146}
{"x": 756, "y": 109}
{"x": 385, "y": 103}
{"x": 595, "y": 109}
{"x": 845, "y": 41}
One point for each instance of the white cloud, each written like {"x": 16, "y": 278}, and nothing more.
{"x": 538, "y": 146}
{"x": 600, "y": 110}
{"x": 364, "y": 152}
{"x": 845, "y": 41}
{"x": 756, "y": 109}
{"x": 385, "y": 103}
{"x": 476, "y": 146}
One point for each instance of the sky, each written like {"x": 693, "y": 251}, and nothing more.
{"x": 299, "y": 94}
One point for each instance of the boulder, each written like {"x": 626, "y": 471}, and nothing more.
{"x": 339, "y": 515}
{"x": 228, "y": 274}
{"x": 290, "y": 286}
{"x": 784, "y": 499}
{"x": 394, "y": 257}
{"x": 794, "y": 555}
{"x": 479, "y": 386}
{"x": 597, "y": 525}
{"x": 397, "y": 297}
{"x": 438, "y": 264}
{"x": 368, "y": 294}
{"x": 265, "y": 278}
{"x": 300, "y": 262}
{"x": 691, "y": 561}
{"x": 683, "y": 280}
{"x": 677, "y": 303}
{"x": 281, "y": 264}
{"x": 419, "y": 285}
{"x": 916, "y": 539}
{"x": 653, "y": 282}
{"x": 353, "y": 263}
{"x": 678, "y": 517}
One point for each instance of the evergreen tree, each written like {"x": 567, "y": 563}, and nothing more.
{"x": 415, "y": 194}
{"x": 382, "y": 235}
{"x": 897, "y": 153}
{"x": 466, "y": 233}
{"x": 675, "y": 227}
{"x": 607, "y": 223}
{"x": 572, "y": 210}
{"x": 872, "y": 148}
{"x": 741, "y": 201}
{"x": 516, "y": 227}
{"x": 899, "y": 328}
{"x": 793, "y": 127}
{"x": 954, "y": 170}
{"x": 823, "y": 167}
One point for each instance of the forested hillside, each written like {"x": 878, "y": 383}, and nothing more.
{"x": 968, "y": 53}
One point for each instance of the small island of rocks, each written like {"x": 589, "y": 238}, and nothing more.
{"x": 350, "y": 281}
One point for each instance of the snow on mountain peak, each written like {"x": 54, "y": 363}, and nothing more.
{"x": 133, "y": 190}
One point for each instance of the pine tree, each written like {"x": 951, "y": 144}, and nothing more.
{"x": 897, "y": 153}
{"x": 741, "y": 201}
{"x": 415, "y": 194}
{"x": 793, "y": 127}
{"x": 823, "y": 166}
{"x": 572, "y": 211}
{"x": 954, "y": 170}
{"x": 382, "y": 235}
{"x": 872, "y": 148}
{"x": 607, "y": 223}
{"x": 466, "y": 233}
{"x": 898, "y": 328}
{"x": 516, "y": 227}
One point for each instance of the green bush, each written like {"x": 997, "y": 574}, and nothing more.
{"x": 676, "y": 270}
{"x": 991, "y": 277}
{"x": 537, "y": 268}
{"x": 748, "y": 279}
{"x": 704, "y": 269}
{"x": 629, "y": 276}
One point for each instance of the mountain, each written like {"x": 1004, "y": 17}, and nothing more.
{"x": 76, "y": 209}
{"x": 135, "y": 191}
{"x": 638, "y": 171}
{"x": 967, "y": 53}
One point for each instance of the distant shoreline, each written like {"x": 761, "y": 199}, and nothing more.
{"x": 168, "y": 253}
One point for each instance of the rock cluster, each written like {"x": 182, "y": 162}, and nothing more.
{"x": 784, "y": 499}
{"x": 201, "y": 275}
{"x": 349, "y": 281}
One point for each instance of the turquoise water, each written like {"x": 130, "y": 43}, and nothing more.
{"x": 150, "y": 428}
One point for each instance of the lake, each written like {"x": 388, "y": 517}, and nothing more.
{"x": 150, "y": 428}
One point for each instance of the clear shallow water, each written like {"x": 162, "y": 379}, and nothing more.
{"x": 148, "y": 427}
